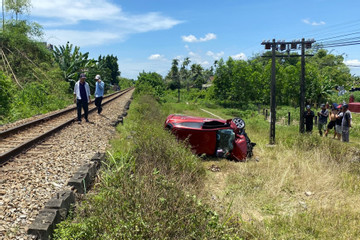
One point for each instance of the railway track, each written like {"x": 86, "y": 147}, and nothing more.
{"x": 35, "y": 175}
{"x": 15, "y": 140}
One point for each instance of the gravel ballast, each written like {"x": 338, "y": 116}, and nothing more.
{"x": 31, "y": 179}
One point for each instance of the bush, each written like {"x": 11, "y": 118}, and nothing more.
{"x": 7, "y": 90}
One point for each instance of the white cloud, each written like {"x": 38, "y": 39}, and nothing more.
{"x": 192, "y": 38}
{"x": 313, "y": 23}
{"x": 352, "y": 63}
{"x": 73, "y": 11}
{"x": 215, "y": 56}
{"x": 240, "y": 56}
{"x": 192, "y": 54}
{"x": 63, "y": 16}
{"x": 156, "y": 57}
{"x": 80, "y": 38}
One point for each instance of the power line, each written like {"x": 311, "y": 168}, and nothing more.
{"x": 340, "y": 44}
{"x": 344, "y": 35}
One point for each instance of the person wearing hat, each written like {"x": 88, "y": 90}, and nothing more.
{"x": 346, "y": 123}
{"x": 82, "y": 97}
{"x": 308, "y": 117}
{"x": 339, "y": 117}
{"x": 323, "y": 116}
{"x": 99, "y": 92}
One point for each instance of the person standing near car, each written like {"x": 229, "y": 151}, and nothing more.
{"x": 332, "y": 121}
{"x": 339, "y": 117}
{"x": 323, "y": 116}
{"x": 82, "y": 97}
{"x": 99, "y": 92}
{"x": 346, "y": 123}
{"x": 309, "y": 116}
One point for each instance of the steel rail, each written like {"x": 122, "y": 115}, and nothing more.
{"x": 8, "y": 132}
{"x": 28, "y": 144}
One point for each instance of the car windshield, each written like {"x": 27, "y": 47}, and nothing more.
{"x": 214, "y": 124}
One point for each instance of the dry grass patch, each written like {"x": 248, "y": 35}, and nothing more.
{"x": 306, "y": 187}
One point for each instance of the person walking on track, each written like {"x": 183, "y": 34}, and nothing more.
{"x": 99, "y": 92}
{"x": 82, "y": 97}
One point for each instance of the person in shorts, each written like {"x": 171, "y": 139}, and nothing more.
{"x": 332, "y": 121}
{"x": 323, "y": 116}
{"x": 338, "y": 121}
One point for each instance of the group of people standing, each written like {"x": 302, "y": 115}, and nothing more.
{"x": 82, "y": 95}
{"x": 339, "y": 119}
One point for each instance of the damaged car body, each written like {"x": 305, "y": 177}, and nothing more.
{"x": 213, "y": 137}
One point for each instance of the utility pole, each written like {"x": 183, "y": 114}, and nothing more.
{"x": 273, "y": 93}
{"x": 302, "y": 86}
{"x": 288, "y": 46}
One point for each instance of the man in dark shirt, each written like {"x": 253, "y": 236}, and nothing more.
{"x": 82, "y": 97}
{"x": 308, "y": 117}
{"x": 323, "y": 116}
{"x": 346, "y": 123}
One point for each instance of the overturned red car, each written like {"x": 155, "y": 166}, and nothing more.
{"x": 213, "y": 137}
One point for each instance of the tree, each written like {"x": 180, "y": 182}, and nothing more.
{"x": 110, "y": 62}
{"x": 184, "y": 72}
{"x": 175, "y": 75}
{"x": 197, "y": 76}
{"x": 71, "y": 62}
{"x": 150, "y": 83}
{"x": 18, "y": 7}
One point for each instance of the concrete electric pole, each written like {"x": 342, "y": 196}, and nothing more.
{"x": 288, "y": 46}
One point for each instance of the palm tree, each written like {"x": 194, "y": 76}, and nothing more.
{"x": 71, "y": 62}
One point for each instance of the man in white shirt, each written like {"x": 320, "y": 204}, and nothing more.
{"x": 82, "y": 97}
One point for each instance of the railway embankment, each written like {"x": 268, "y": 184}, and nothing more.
{"x": 32, "y": 178}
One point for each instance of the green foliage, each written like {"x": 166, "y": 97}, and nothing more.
{"x": 36, "y": 85}
{"x": 17, "y": 7}
{"x": 241, "y": 82}
{"x": 39, "y": 98}
{"x": 71, "y": 62}
{"x": 7, "y": 89}
{"x": 25, "y": 57}
{"x": 150, "y": 83}
{"x": 110, "y": 62}
{"x": 197, "y": 76}
{"x": 125, "y": 82}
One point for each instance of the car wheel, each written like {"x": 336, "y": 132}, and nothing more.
{"x": 240, "y": 124}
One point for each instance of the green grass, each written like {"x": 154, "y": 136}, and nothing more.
{"x": 148, "y": 189}
{"x": 305, "y": 187}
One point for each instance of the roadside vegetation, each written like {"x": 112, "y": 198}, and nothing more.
{"x": 148, "y": 189}
{"x": 305, "y": 187}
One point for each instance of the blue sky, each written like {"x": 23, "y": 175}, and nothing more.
{"x": 148, "y": 34}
